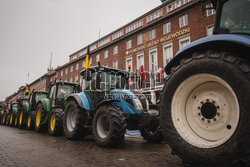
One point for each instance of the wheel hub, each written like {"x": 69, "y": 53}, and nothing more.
{"x": 208, "y": 110}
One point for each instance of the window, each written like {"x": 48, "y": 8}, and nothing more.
{"x": 153, "y": 66}
{"x": 129, "y": 44}
{"x": 210, "y": 30}
{"x": 62, "y": 73}
{"x": 140, "y": 39}
{"x": 167, "y": 28}
{"x": 152, "y": 34}
{"x": 71, "y": 68}
{"x": 118, "y": 34}
{"x": 134, "y": 26}
{"x": 210, "y": 12}
{"x": 183, "y": 20}
{"x": 154, "y": 16}
{"x": 106, "y": 54}
{"x": 184, "y": 42}
{"x": 129, "y": 62}
{"x": 83, "y": 52}
{"x": 73, "y": 57}
{"x": 97, "y": 58}
{"x": 115, "y": 50}
{"x": 167, "y": 53}
{"x": 140, "y": 60}
{"x": 115, "y": 64}
{"x": 92, "y": 47}
{"x": 90, "y": 60}
{"x": 66, "y": 71}
{"x": 77, "y": 66}
{"x": 83, "y": 63}
{"x": 104, "y": 42}
{"x": 76, "y": 78}
{"x": 177, "y": 4}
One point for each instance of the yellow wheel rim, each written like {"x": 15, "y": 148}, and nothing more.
{"x": 52, "y": 122}
{"x": 11, "y": 118}
{"x": 29, "y": 120}
{"x": 21, "y": 118}
{"x": 15, "y": 121}
{"x": 38, "y": 117}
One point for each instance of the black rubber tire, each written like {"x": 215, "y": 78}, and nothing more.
{"x": 41, "y": 127}
{"x": 236, "y": 72}
{"x": 8, "y": 120}
{"x": 23, "y": 123}
{"x": 32, "y": 123}
{"x": 79, "y": 131}
{"x": 11, "y": 124}
{"x": 117, "y": 128}
{"x": 16, "y": 123}
{"x": 4, "y": 119}
{"x": 58, "y": 131}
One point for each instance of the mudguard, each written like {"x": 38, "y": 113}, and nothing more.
{"x": 26, "y": 107}
{"x": 81, "y": 99}
{"x": 47, "y": 107}
{"x": 237, "y": 43}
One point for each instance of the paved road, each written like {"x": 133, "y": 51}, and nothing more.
{"x": 21, "y": 148}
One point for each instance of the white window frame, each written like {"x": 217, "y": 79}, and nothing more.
{"x": 66, "y": 71}
{"x": 170, "y": 44}
{"x": 106, "y": 54}
{"x": 116, "y": 61}
{"x": 98, "y": 58}
{"x": 71, "y": 68}
{"x": 210, "y": 12}
{"x": 129, "y": 58}
{"x": 167, "y": 28}
{"x": 183, "y": 21}
{"x": 139, "y": 39}
{"x": 115, "y": 50}
{"x": 77, "y": 66}
{"x": 83, "y": 63}
{"x": 152, "y": 34}
{"x": 90, "y": 60}
{"x": 137, "y": 60}
{"x": 183, "y": 39}
{"x": 150, "y": 59}
{"x": 129, "y": 44}
{"x": 62, "y": 73}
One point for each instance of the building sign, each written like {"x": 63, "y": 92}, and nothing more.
{"x": 163, "y": 39}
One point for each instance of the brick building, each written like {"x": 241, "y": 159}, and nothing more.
{"x": 150, "y": 40}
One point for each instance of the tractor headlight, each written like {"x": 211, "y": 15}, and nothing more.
{"x": 138, "y": 105}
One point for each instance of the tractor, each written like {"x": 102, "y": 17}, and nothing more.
{"x": 205, "y": 102}
{"x": 50, "y": 110}
{"x": 6, "y": 114}
{"x": 1, "y": 114}
{"x": 13, "y": 114}
{"x": 106, "y": 108}
{"x": 27, "y": 109}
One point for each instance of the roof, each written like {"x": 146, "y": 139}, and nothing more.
{"x": 105, "y": 69}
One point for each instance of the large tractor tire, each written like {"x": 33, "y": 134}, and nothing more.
{"x": 55, "y": 122}
{"x": 205, "y": 108}
{"x": 21, "y": 118}
{"x": 109, "y": 126}
{"x": 30, "y": 124}
{"x": 12, "y": 118}
{"x": 16, "y": 121}
{"x": 73, "y": 121}
{"x": 39, "y": 118}
{"x": 4, "y": 119}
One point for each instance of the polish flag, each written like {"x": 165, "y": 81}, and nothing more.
{"x": 159, "y": 72}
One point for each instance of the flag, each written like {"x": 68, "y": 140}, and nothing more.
{"x": 143, "y": 75}
{"x": 27, "y": 90}
{"x": 87, "y": 62}
{"x": 159, "y": 72}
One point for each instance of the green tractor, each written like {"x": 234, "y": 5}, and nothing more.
{"x": 50, "y": 110}
{"x": 6, "y": 114}
{"x": 13, "y": 114}
{"x": 1, "y": 114}
{"x": 27, "y": 108}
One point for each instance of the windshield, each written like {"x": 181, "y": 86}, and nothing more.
{"x": 40, "y": 96}
{"x": 15, "y": 105}
{"x": 106, "y": 81}
{"x": 65, "y": 90}
{"x": 235, "y": 16}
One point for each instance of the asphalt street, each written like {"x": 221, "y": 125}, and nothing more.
{"x": 22, "y": 148}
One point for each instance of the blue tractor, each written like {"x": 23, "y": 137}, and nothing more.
{"x": 205, "y": 103}
{"x": 106, "y": 108}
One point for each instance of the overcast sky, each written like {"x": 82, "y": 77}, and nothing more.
{"x": 31, "y": 29}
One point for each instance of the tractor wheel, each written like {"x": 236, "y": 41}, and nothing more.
{"x": 30, "y": 125}
{"x": 40, "y": 116}
{"x": 11, "y": 120}
{"x": 4, "y": 119}
{"x": 22, "y": 116}
{"x": 16, "y": 121}
{"x": 55, "y": 123}
{"x": 205, "y": 108}
{"x": 73, "y": 121}
{"x": 109, "y": 126}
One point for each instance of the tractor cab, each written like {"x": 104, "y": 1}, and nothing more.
{"x": 61, "y": 90}
{"x": 34, "y": 98}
